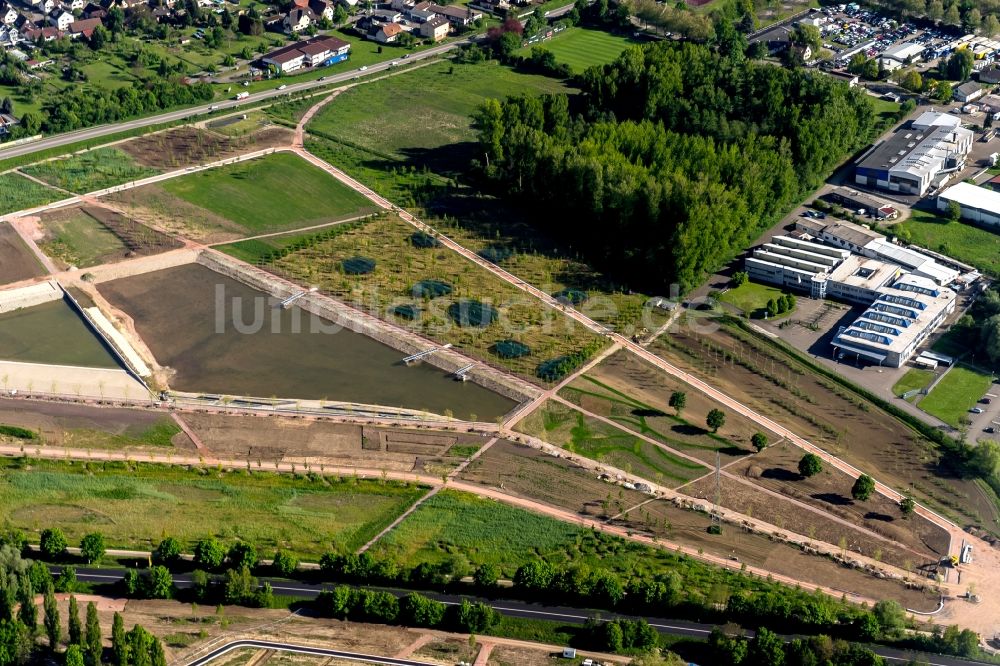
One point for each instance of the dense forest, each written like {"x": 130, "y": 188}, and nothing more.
{"x": 673, "y": 159}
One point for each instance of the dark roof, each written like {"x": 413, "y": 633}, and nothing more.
{"x": 307, "y": 47}
{"x": 967, "y": 88}
{"x": 991, "y": 75}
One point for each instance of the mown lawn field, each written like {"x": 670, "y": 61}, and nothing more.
{"x": 277, "y": 192}
{"x": 751, "y": 298}
{"x": 956, "y": 394}
{"x": 136, "y": 506}
{"x": 18, "y": 193}
{"x": 915, "y": 378}
{"x": 972, "y": 245}
{"x": 581, "y": 48}
{"x": 90, "y": 171}
{"x": 423, "y": 109}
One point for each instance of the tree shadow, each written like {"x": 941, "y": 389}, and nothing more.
{"x": 835, "y": 499}
{"x": 780, "y": 474}
{"x": 688, "y": 430}
{"x": 642, "y": 411}
{"x": 874, "y": 515}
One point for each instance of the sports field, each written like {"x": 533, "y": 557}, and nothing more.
{"x": 273, "y": 193}
{"x": 581, "y": 48}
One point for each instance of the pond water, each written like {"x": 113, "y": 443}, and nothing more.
{"x": 175, "y": 312}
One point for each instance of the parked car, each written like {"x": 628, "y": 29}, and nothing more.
{"x": 976, "y": 410}
{"x": 990, "y": 430}
{"x": 984, "y": 401}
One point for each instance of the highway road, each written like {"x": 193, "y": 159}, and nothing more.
{"x": 510, "y": 608}
{"x": 231, "y": 104}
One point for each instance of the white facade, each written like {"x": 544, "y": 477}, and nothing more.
{"x": 978, "y": 204}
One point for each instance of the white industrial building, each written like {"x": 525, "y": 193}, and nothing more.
{"x": 905, "y": 53}
{"x": 921, "y": 154}
{"x": 900, "y": 318}
{"x": 903, "y": 288}
{"x": 978, "y": 204}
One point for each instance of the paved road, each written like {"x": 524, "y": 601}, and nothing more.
{"x": 511, "y": 608}
{"x": 180, "y": 114}
{"x": 304, "y": 649}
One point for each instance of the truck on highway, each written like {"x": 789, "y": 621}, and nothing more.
{"x": 242, "y": 95}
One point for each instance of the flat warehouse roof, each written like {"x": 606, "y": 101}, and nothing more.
{"x": 973, "y": 196}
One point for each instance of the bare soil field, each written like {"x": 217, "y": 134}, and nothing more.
{"x": 16, "y": 261}
{"x": 277, "y": 438}
{"x": 526, "y": 472}
{"x": 848, "y": 426}
{"x": 663, "y": 519}
{"x": 188, "y": 146}
{"x": 85, "y": 426}
{"x": 786, "y": 515}
{"x": 176, "y": 216}
{"x": 636, "y": 394}
{"x": 830, "y": 490}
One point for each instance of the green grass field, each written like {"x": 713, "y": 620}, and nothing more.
{"x": 954, "y": 395}
{"x": 564, "y": 426}
{"x": 421, "y": 110}
{"x": 90, "y": 171}
{"x": 915, "y": 378}
{"x": 277, "y": 192}
{"x": 18, "y": 193}
{"x": 79, "y": 240}
{"x": 136, "y": 507}
{"x": 751, "y": 298}
{"x": 581, "y": 48}
{"x": 972, "y": 245}
{"x": 453, "y": 524}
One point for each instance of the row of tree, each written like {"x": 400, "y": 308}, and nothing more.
{"x": 981, "y": 16}
{"x": 675, "y": 159}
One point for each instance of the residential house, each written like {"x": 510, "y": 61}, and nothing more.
{"x": 84, "y": 28}
{"x": 386, "y": 16}
{"x": 7, "y": 123}
{"x": 458, "y": 16}
{"x": 94, "y": 10}
{"x": 8, "y": 15}
{"x": 61, "y": 19}
{"x": 298, "y": 4}
{"x": 39, "y": 35}
{"x": 386, "y": 33}
{"x": 75, "y": 5}
{"x": 323, "y": 9}
{"x": 48, "y": 6}
{"x": 436, "y": 28}
{"x": 423, "y": 11}
{"x": 160, "y": 14}
{"x": 298, "y": 20}
{"x": 403, "y": 5}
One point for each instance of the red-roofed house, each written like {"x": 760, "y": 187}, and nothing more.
{"x": 84, "y": 28}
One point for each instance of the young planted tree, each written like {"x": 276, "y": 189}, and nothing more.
{"x": 75, "y": 629}
{"x": 74, "y": 656}
{"x": 759, "y": 441}
{"x": 119, "y": 642}
{"x": 92, "y": 547}
{"x": 678, "y": 399}
{"x": 863, "y": 488}
{"x": 93, "y": 646}
{"x": 810, "y": 465}
{"x": 907, "y": 506}
{"x": 53, "y": 543}
{"x": 716, "y": 419}
{"x": 28, "y": 612}
{"x": 53, "y": 628}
